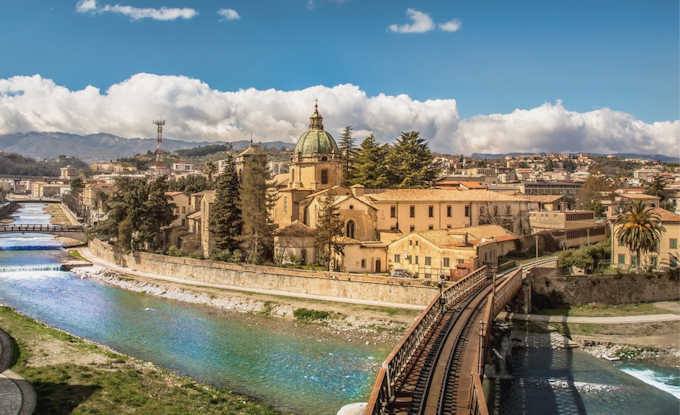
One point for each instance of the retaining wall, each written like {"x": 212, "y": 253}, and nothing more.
{"x": 547, "y": 287}
{"x": 319, "y": 283}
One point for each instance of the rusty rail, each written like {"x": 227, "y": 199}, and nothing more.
{"x": 397, "y": 361}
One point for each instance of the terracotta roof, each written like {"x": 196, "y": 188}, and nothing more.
{"x": 295, "y": 229}
{"x": 467, "y": 184}
{"x": 173, "y": 193}
{"x": 640, "y": 196}
{"x": 487, "y": 232}
{"x": 195, "y": 215}
{"x": 280, "y": 179}
{"x": 442, "y": 195}
{"x": 666, "y": 216}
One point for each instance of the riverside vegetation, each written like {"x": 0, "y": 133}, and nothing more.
{"x": 75, "y": 376}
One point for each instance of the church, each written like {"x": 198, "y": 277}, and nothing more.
{"x": 427, "y": 232}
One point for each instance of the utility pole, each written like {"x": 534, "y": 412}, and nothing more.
{"x": 159, "y": 142}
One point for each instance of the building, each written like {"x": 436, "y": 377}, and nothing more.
{"x": 182, "y": 168}
{"x": 93, "y": 198}
{"x": 571, "y": 228}
{"x": 668, "y": 253}
{"x": 68, "y": 173}
{"x": 451, "y": 253}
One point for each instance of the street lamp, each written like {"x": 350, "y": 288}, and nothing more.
{"x": 440, "y": 284}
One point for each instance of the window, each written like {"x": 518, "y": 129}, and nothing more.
{"x": 507, "y": 210}
{"x": 396, "y": 258}
{"x": 350, "y": 229}
{"x": 673, "y": 243}
{"x": 416, "y": 259}
{"x": 409, "y": 259}
{"x": 428, "y": 260}
{"x": 393, "y": 211}
{"x": 467, "y": 211}
{"x": 633, "y": 260}
{"x": 460, "y": 260}
{"x": 448, "y": 211}
{"x": 411, "y": 228}
{"x": 673, "y": 261}
{"x": 620, "y": 243}
{"x": 430, "y": 211}
{"x": 412, "y": 211}
{"x": 481, "y": 210}
{"x": 431, "y": 227}
{"x": 324, "y": 176}
{"x": 416, "y": 243}
{"x": 622, "y": 259}
{"x": 428, "y": 276}
{"x": 446, "y": 262}
{"x": 495, "y": 210}
{"x": 351, "y": 207}
{"x": 654, "y": 261}
{"x": 363, "y": 263}
{"x": 410, "y": 242}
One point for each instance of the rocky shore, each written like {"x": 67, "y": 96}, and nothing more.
{"x": 365, "y": 327}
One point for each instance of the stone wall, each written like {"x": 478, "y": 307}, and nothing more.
{"x": 356, "y": 288}
{"x": 550, "y": 288}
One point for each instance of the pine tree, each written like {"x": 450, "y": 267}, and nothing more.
{"x": 225, "y": 217}
{"x": 256, "y": 205}
{"x": 328, "y": 229}
{"x": 410, "y": 163}
{"x": 369, "y": 167}
{"x": 348, "y": 153}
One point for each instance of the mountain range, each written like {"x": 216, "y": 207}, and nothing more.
{"x": 658, "y": 157}
{"x": 98, "y": 147}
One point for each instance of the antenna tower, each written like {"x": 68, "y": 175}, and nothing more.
{"x": 159, "y": 142}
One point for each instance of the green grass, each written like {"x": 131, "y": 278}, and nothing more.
{"x": 306, "y": 314}
{"x": 109, "y": 383}
{"x": 75, "y": 254}
{"x": 392, "y": 311}
{"x": 604, "y": 310}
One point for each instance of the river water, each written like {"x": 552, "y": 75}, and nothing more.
{"x": 287, "y": 365}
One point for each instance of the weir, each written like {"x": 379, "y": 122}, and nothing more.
{"x": 30, "y": 268}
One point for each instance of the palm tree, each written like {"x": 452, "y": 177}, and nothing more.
{"x": 639, "y": 230}
{"x": 210, "y": 169}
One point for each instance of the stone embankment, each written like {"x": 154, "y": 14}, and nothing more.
{"x": 365, "y": 327}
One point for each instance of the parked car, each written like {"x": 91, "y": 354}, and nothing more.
{"x": 401, "y": 273}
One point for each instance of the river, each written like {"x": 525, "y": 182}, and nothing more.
{"x": 288, "y": 365}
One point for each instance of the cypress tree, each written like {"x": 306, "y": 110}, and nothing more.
{"x": 157, "y": 213}
{"x": 256, "y": 205}
{"x": 225, "y": 217}
{"x": 369, "y": 168}
{"x": 348, "y": 153}
{"x": 328, "y": 229}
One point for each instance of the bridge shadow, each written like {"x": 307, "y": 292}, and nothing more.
{"x": 542, "y": 366}
{"x": 61, "y": 398}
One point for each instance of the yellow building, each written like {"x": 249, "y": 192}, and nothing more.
{"x": 668, "y": 254}
{"x": 572, "y": 228}
{"x": 451, "y": 253}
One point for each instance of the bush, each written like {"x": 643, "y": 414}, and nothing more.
{"x": 174, "y": 251}
{"x": 305, "y": 314}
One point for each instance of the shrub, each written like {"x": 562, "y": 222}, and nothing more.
{"x": 305, "y": 314}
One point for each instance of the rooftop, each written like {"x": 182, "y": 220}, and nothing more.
{"x": 441, "y": 195}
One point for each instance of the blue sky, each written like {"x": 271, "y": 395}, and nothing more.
{"x": 621, "y": 55}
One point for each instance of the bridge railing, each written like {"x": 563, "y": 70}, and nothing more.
{"x": 39, "y": 227}
{"x": 397, "y": 361}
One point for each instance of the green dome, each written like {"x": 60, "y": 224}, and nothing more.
{"x": 316, "y": 140}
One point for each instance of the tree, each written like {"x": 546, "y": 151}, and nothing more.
{"x": 657, "y": 188}
{"x": 192, "y": 183}
{"x": 410, "y": 163}
{"x": 591, "y": 191}
{"x": 348, "y": 153}
{"x": 256, "y": 204}
{"x": 639, "y": 230}
{"x": 369, "y": 168}
{"x": 210, "y": 169}
{"x": 77, "y": 186}
{"x": 225, "y": 216}
{"x": 327, "y": 232}
{"x": 157, "y": 213}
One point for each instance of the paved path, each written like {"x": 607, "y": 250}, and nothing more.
{"x": 85, "y": 252}
{"x": 649, "y": 318}
{"x": 17, "y": 396}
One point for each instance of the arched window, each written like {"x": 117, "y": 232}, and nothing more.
{"x": 349, "y": 231}
{"x": 324, "y": 176}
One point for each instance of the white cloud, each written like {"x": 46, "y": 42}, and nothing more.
{"x": 450, "y": 26}
{"x": 229, "y": 14}
{"x": 421, "y": 23}
{"x": 136, "y": 13}
{"x": 195, "y": 111}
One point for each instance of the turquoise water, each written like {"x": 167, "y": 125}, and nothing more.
{"x": 287, "y": 365}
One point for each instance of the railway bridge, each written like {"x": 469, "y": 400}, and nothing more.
{"x": 438, "y": 366}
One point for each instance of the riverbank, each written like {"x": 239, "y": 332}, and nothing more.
{"x": 75, "y": 376}
{"x": 356, "y": 323}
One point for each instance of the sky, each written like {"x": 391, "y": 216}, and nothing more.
{"x": 471, "y": 76}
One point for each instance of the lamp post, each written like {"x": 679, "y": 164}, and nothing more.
{"x": 440, "y": 284}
